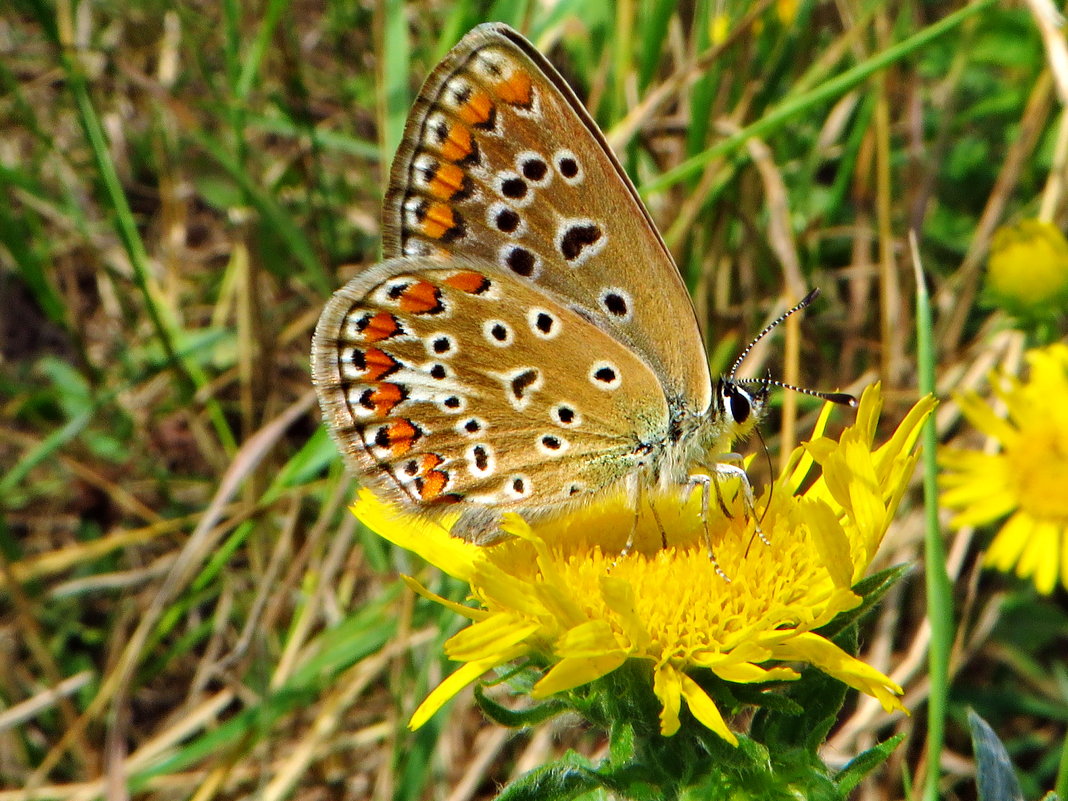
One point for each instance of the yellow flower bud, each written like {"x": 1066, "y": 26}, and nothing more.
{"x": 1028, "y": 269}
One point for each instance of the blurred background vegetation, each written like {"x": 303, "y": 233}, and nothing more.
{"x": 185, "y": 605}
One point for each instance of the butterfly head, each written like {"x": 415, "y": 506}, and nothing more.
{"x": 739, "y": 404}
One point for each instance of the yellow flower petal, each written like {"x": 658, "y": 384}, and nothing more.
{"x": 1010, "y": 542}
{"x": 460, "y": 609}
{"x": 831, "y": 659}
{"x": 1035, "y": 562}
{"x": 591, "y": 637}
{"x": 445, "y": 691}
{"x": 418, "y": 534}
{"x": 571, "y": 672}
{"x": 982, "y": 417}
{"x": 667, "y": 685}
{"x": 705, "y": 709}
{"x": 488, "y": 638}
{"x": 831, "y": 540}
{"x": 748, "y": 673}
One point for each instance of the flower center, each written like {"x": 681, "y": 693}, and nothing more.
{"x": 1039, "y": 469}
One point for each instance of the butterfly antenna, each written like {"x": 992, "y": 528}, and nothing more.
{"x": 843, "y": 398}
{"x": 811, "y": 296}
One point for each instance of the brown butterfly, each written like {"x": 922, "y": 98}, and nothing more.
{"x": 527, "y": 343}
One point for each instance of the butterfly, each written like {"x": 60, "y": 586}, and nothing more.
{"x": 527, "y": 344}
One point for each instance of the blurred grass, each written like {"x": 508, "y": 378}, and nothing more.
{"x": 182, "y": 187}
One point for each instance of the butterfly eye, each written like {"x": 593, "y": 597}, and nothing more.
{"x": 740, "y": 405}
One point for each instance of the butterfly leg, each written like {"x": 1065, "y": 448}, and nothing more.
{"x": 704, "y": 483}
{"x": 633, "y": 488}
{"x": 722, "y": 470}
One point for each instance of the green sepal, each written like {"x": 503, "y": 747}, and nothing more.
{"x": 994, "y": 776}
{"x": 517, "y": 719}
{"x": 864, "y": 763}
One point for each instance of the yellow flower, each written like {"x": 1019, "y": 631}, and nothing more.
{"x": 1028, "y": 268}
{"x": 560, "y": 592}
{"x": 1027, "y": 479}
{"x": 787, "y": 10}
{"x": 718, "y": 28}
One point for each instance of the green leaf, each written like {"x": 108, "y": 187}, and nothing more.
{"x": 565, "y": 778}
{"x": 995, "y": 778}
{"x": 517, "y": 719}
{"x": 865, "y": 762}
{"x": 622, "y": 743}
{"x": 871, "y": 589}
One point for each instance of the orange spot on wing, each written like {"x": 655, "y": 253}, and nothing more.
{"x": 428, "y": 461}
{"x": 382, "y": 326}
{"x": 379, "y": 364}
{"x": 516, "y": 89}
{"x": 477, "y": 109}
{"x": 439, "y": 220}
{"x": 432, "y": 484}
{"x": 385, "y": 397}
{"x": 401, "y": 434}
{"x": 468, "y": 281}
{"x": 458, "y": 144}
{"x": 447, "y": 181}
{"x": 420, "y": 298}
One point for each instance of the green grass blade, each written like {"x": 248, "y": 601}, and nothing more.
{"x": 393, "y": 95}
{"x": 939, "y": 589}
{"x": 833, "y": 88}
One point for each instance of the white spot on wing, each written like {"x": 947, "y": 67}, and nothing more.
{"x": 617, "y": 303}
{"x": 566, "y": 415}
{"x": 462, "y": 427}
{"x": 544, "y": 324}
{"x": 605, "y": 375}
{"x": 568, "y": 166}
{"x": 552, "y": 445}
{"x": 587, "y": 250}
{"x": 430, "y": 343}
{"x": 520, "y": 385}
{"x": 481, "y": 460}
{"x": 498, "y": 333}
{"x": 531, "y": 156}
{"x": 518, "y": 486}
{"x": 495, "y": 210}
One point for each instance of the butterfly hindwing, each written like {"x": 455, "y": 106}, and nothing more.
{"x": 458, "y": 382}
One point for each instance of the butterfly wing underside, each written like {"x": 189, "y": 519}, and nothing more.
{"x": 501, "y": 163}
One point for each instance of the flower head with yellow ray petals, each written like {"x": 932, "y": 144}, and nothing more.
{"x": 561, "y": 593}
{"x": 1026, "y": 479}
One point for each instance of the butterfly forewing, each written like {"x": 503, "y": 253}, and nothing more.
{"x": 461, "y": 383}
{"x": 501, "y": 163}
